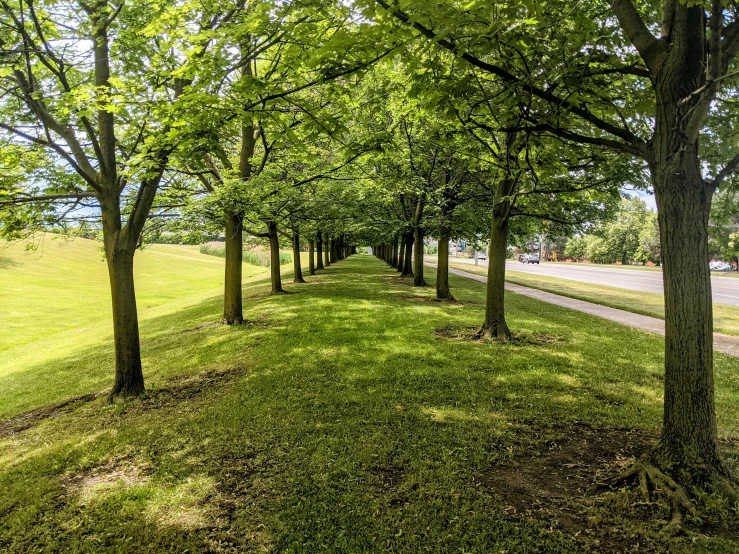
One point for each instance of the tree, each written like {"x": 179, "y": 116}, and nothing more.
{"x": 576, "y": 248}
{"x": 649, "y": 242}
{"x": 648, "y": 96}
{"x": 87, "y": 113}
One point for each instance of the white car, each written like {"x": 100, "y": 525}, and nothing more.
{"x": 719, "y": 266}
{"x": 482, "y": 256}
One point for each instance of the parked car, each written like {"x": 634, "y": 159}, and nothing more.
{"x": 522, "y": 258}
{"x": 719, "y": 266}
{"x": 482, "y": 256}
{"x": 533, "y": 259}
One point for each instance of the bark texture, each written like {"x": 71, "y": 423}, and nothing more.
{"x": 401, "y": 255}
{"x": 408, "y": 262}
{"x": 418, "y": 280}
{"x": 442, "y": 268}
{"x": 319, "y": 250}
{"x": 688, "y": 448}
{"x": 495, "y": 324}
{"x": 232, "y": 296}
{"x": 297, "y": 267}
{"x": 274, "y": 254}
{"x": 129, "y": 376}
{"x": 311, "y": 257}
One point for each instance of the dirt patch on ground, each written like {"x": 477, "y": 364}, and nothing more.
{"x": 559, "y": 485}
{"x": 472, "y": 334}
{"x": 29, "y": 419}
{"x": 191, "y": 386}
{"x": 390, "y": 479}
{"x": 430, "y": 300}
{"x": 458, "y": 333}
{"x": 117, "y": 471}
{"x": 390, "y": 476}
{"x": 260, "y": 321}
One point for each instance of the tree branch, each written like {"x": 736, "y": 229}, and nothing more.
{"x": 649, "y": 48}
{"x": 49, "y": 198}
{"x": 727, "y": 170}
{"x": 508, "y": 77}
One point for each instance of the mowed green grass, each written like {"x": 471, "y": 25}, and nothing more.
{"x": 63, "y": 284}
{"x": 55, "y": 304}
{"x": 338, "y": 421}
{"x": 725, "y": 318}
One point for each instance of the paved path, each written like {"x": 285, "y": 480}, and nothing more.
{"x": 725, "y": 289}
{"x": 721, "y": 343}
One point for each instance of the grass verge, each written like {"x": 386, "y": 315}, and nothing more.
{"x": 725, "y": 318}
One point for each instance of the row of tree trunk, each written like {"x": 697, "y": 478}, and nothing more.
{"x": 404, "y": 252}
{"x": 323, "y": 250}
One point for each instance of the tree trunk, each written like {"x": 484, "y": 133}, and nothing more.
{"x": 394, "y": 263}
{"x": 297, "y": 268}
{"x": 274, "y": 254}
{"x": 401, "y": 254}
{"x": 327, "y": 253}
{"x": 319, "y": 250}
{"x": 442, "y": 267}
{"x": 418, "y": 280}
{"x": 232, "y": 301}
{"x": 311, "y": 258}
{"x": 408, "y": 262}
{"x": 688, "y": 448}
{"x": 495, "y": 324}
{"x": 129, "y": 377}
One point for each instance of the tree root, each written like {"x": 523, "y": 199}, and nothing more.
{"x": 647, "y": 474}
{"x": 724, "y": 487}
{"x": 499, "y": 332}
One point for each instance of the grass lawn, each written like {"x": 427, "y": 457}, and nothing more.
{"x": 55, "y": 303}
{"x": 346, "y": 417}
{"x": 63, "y": 284}
{"x": 725, "y": 317}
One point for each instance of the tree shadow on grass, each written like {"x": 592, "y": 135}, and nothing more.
{"x": 358, "y": 430}
{"x": 7, "y": 263}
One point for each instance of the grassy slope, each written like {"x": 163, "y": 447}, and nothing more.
{"x": 55, "y": 306}
{"x": 63, "y": 284}
{"x": 338, "y": 422}
{"x": 725, "y": 318}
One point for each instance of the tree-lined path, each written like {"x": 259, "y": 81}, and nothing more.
{"x": 352, "y": 414}
{"x": 354, "y": 407}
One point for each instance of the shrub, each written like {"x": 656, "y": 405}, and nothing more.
{"x": 253, "y": 257}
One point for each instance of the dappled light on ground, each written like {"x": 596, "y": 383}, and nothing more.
{"x": 340, "y": 422}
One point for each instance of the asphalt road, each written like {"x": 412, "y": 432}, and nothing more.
{"x": 725, "y": 289}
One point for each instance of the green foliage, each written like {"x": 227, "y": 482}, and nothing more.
{"x": 254, "y": 257}
{"x": 576, "y": 248}
{"x": 631, "y": 236}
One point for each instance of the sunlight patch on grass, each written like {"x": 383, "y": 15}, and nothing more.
{"x": 185, "y": 505}
{"x": 447, "y": 415}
